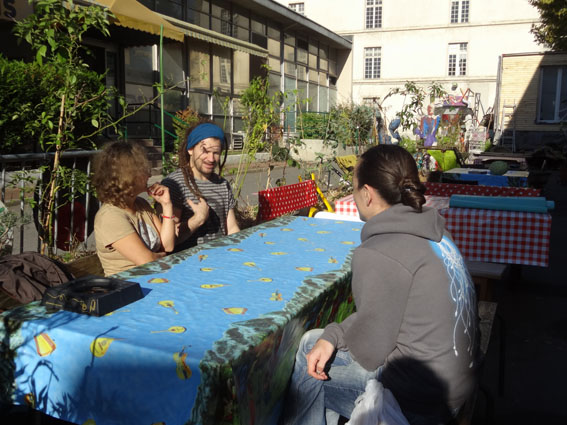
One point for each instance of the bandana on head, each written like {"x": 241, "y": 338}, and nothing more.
{"x": 204, "y": 131}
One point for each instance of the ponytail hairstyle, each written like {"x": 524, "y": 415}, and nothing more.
{"x": 184, "y": 159}
{"x": 392, "y": 171}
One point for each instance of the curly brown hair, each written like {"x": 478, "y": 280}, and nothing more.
{"x": 184, "y": 159}
{"x": 116, "y": 169}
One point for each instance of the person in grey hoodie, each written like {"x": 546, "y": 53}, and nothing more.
{"x": 415, "y": 328}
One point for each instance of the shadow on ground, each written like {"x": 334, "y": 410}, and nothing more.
{"x": 532, "y": 307}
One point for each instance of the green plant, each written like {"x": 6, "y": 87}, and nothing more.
{"x": 28, "y": 106}
{"x": 350, "y": 124}
{"x": 55, "y": 33}
{"x": 181, "y": 122}
{"x": 447, "y": 141}
{"x": 314, "y": 125}
{"x": 8, "y": 221}
{"x": 75, "y": 108}
{"x": 409, "y": 144}
{"x": 415, "y": 96}
{"x": 261, "y": 117}
{"x": 552, "y": 29}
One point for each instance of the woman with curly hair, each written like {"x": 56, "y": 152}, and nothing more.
{"x": 202, "y": 199}
{"x": 128, "y": 232}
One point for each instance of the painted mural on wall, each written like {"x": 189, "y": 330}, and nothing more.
{"x": 428, "y": 126}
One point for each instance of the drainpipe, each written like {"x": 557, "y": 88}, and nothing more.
{"x": 496, "y": 108}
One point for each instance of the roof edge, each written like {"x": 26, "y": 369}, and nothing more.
{"x": 299, "y": 18}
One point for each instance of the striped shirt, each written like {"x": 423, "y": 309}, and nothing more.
{"x": 218, "y": 194}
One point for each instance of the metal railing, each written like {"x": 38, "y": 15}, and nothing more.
{"x": 22, "y": 181}
{"x": 145, "y": 123}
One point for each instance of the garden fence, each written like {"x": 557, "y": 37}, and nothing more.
{"x": 22, "y": 181}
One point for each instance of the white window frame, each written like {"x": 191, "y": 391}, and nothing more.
{"x": 560, "y": 111}
{"x": 298, "y": 7}
{"x": 460, "y": 11}
{"x": 372, "y": 62}
{"x": 457, "y": 59}
{"x": 373, "y": 14}
{"x": 224, "y": 76}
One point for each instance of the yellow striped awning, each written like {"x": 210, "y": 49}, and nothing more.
{"x": 134, "y": 15}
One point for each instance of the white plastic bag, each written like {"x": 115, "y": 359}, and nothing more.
{"x": 376, "y": 406}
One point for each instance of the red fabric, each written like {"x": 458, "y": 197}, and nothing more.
{"x": 64, "y": 224}
{"x": 500, "y": 236}
{"x": 448, "y": 189}
{"x": 285, "y": 199}
{"x": 511, "y": 237}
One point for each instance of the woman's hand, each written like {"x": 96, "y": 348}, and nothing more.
{"x": 166, "y": 227}
{"x": 317, "y": 359}
{"x": 160, "y": 193}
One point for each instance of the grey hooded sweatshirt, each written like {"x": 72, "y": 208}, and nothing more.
{"x": 416, "y": 311}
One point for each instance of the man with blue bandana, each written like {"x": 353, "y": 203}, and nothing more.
{"x": 203, "y": 202}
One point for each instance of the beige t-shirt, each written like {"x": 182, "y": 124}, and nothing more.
{"x": 113, "y": 223}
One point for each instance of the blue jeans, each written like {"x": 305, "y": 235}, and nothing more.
{"x": 313, "y": 402}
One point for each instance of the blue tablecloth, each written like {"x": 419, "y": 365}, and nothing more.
{"x": 511, "y": 178}
{"x": 212, "y": 341}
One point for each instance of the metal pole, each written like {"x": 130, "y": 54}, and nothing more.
{"x": 161, "y": 96}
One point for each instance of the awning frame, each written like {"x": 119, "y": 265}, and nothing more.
{"x": 200, "y": 33}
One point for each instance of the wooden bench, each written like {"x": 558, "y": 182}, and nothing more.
{"x": 484, "y": 274}
{"x": 89, "y": 265}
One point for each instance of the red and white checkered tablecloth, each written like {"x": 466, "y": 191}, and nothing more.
{"x": 437, "y": 202}
{"x": 346, "y": 206}
{"x": 510, "y": 237}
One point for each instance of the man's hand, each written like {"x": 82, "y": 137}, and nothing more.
{"x": 317, "y": 359}
{"x": 200, "y": 212}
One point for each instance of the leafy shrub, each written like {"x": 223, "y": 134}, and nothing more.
{"x": 409, "y": 144}
{"x": 314, "y": 125}
{"x": 351, "y": 124}
{"x": 28, "y": 96}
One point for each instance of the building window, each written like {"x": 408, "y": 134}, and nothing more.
{"x": 373, "y": 14}
{"x": 553, "y": 94}
{"x": 457, "y": 59}
{"x": 298, "y": 7}
{"x": 372, "y": 59}
{"x": 459, "y": 11}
